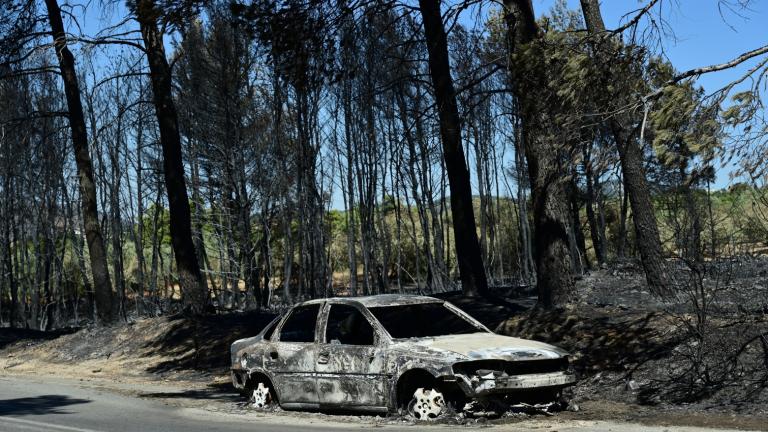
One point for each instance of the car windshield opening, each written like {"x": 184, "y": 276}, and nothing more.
{"x": 422, "y": 320}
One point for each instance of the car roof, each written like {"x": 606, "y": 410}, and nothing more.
{"x": 378, "y": 300}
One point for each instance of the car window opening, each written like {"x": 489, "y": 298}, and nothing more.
{"x": 300, "y": 326}
{"x": 348, "y": 326}
{"x": 422, "y": 320}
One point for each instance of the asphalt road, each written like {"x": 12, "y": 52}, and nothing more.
{"x": 32, "y": 405}
{"x": 37, "y": 405}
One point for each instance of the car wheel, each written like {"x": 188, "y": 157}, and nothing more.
{"x": 427, "y": 404}
{"x": 261, "y": 397}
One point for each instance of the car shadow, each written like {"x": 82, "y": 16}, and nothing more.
{"x": 223, "y": 392}
{"x": 39, "y": 405}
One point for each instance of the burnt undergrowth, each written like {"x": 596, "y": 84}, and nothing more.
{"x": 707, "y": 348}
{"x": 202, "y": 342}
{"x": 704, "y": 348}
{"x": 494, "y": 308}
{"x": 599, "y": 340}
{"x": 14, "y": 335}
{"x": 188, "y": 346}
{"x": 723, "y": 354}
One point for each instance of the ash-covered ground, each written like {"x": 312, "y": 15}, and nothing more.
{"x": 699, "y": 358}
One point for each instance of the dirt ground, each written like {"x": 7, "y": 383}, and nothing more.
{"x": 625, "y": 344}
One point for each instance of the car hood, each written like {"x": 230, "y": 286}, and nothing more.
{"x": 483, "y": 346}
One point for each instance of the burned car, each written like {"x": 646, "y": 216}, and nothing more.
{"x": 389, "y": 353}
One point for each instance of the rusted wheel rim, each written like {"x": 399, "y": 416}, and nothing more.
{"x": 427, "y": 404}
{"x": 261, "y": 396}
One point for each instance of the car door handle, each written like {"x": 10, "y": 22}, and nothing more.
{"x": 322, "y": 358}
{"x": 273, "y": 355}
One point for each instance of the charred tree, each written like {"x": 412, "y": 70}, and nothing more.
{"x": 468, "y": 253}
{"x": 547, "y": 175}
{"x": 631, "y": 158}
{"x": 595, "y": 229}
{"x": 93, "y": 235}
{"x": 193, "y": 287}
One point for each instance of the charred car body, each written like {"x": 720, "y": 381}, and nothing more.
{"x": 389, "y": 353}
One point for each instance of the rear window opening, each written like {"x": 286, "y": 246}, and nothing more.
{"x": 300, "y": 326}
{"x": 347, "y": 326}
{"x": 422, "y": 320}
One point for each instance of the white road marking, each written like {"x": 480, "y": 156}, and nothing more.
{"x": 44, "y": 426}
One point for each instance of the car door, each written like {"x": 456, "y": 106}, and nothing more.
{"x": 292, "y": 358}
{"x": 349, "y": 364}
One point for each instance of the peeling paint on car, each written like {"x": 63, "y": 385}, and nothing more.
{"x": 489, "y": 345}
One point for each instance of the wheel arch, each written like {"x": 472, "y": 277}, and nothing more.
{"x": 408, "y": 381}
{"x": 256, "y": 376}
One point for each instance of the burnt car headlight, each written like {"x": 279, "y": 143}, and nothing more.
{"x": 244, "y": 361}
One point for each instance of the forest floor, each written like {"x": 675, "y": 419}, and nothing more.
{"x": 633, "y": 353}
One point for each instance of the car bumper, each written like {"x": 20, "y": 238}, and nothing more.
{"x": 513, "y": 383}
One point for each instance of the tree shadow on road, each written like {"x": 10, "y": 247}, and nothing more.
{"x": 39, "y": 405}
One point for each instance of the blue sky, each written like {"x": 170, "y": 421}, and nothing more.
{"x": 701, "y": 35}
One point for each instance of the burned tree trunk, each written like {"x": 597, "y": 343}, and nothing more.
{"x": 8, "y": 239}
{"x": 550, "y": 213}
{"x": 527, "y": 265}
{"x": 471, "y": 269}
{"x": 592, "y": 16}
{"x": 350, "y": 191}
{"x": 93, "y": 235}
{"x": 8, "y": 266}
{"x": 646, "y": 229}
{"x": 193, "y": 287}
{"x": 631, "y": 158}
{"x": 579, "y": 245}
{"x": 139, "y": 233}
{"x": 595, "y": 230}
{"x": 414, "y": 186}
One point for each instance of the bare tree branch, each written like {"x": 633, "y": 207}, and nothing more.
{"x": 696, "y": 72}
{"x": 636, "y": 18}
